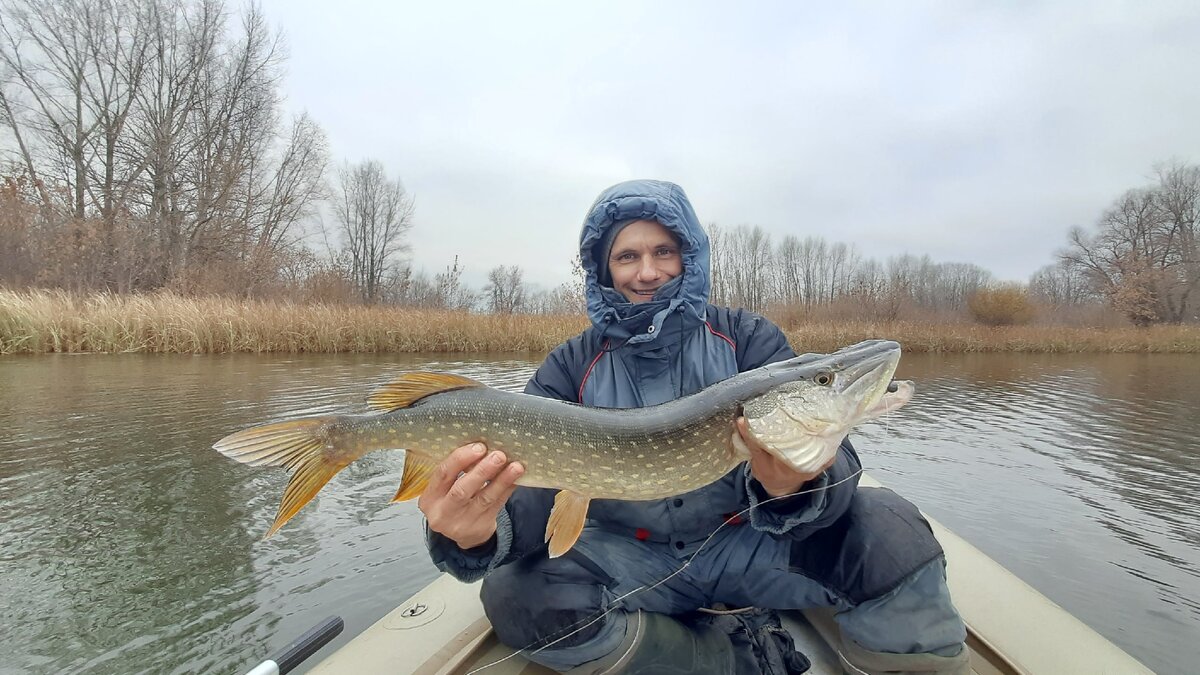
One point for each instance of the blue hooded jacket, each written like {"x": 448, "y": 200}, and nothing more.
{"x": 641, "y": 354}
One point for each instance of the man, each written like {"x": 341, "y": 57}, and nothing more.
{"x": 867, "y": 554}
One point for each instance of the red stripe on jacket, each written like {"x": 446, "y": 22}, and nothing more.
{"x": 588, "y": 373}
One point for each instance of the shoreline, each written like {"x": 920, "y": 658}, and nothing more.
{"x": 43, "y": 322}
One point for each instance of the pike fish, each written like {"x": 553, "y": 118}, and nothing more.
{"x": 799, "y": 409}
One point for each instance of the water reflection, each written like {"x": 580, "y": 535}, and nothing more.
{"x": 1074, "y": 471}
{"x": 135, "y": 547}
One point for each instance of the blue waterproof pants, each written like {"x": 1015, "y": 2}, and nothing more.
{"x": 557, "y": 604}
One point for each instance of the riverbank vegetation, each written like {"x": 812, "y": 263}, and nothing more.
{"x": 56, "y": 321}
{"x": 152, "y": 181}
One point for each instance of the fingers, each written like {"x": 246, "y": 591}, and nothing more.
{"x": 470, "y": 483}
{"x": 748, "y": 439}
{"x": 465, "y": 493}
{"x": 496, "y": 493}
{"x": 455, "y": 463}
{"x": 763, "y": 463}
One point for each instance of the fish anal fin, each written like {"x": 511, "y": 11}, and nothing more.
{"x": 307, "y": 480}
{"x": 417, "y": 470}
{"x": 566, "y": 521}
{"x": 412, "y": 387}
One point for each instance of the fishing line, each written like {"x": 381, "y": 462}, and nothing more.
{"x": 586, "y": 622}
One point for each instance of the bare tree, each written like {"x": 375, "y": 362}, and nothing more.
{"x": 748, "y": 270}
{"x": 150, "y": 133}
{"x": 1143, "y": 254}
{"x": 719, "y": 264}
{"x": 375, "y": 214}
{"x": 1061, "y": 285}
{"x": 505, "y": 291}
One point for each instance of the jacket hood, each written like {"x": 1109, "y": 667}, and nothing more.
{"x": 687, "y": 294}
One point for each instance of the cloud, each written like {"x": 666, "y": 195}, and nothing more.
{"x": 973, "y": 132}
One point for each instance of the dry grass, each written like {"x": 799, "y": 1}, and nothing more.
{"x": 964, "y": 337}
{"x": 55, "y": 321}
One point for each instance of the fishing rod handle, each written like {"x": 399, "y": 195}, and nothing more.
{"x": 301, "y": 648}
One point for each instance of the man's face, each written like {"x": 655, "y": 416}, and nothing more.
{"x": 644, "y": 256}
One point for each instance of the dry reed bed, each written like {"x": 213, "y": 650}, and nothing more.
{"x": 55, "y": 321}
{"x": 965, "y": 337}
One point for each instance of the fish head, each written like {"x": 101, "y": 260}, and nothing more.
{"x": 814, "y": 400}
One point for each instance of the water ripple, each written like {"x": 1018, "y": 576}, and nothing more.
{"x": 137, "y": 548}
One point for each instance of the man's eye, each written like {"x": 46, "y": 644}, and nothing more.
{"x": 665, "y": 252}
{"x": 625, "y": 257}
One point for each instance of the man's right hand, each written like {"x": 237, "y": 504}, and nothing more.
{"x": 465, "y": 493}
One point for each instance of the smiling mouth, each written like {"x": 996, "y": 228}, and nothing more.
{"x": 649, "y": 293}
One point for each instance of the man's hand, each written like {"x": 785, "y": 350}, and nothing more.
{"x": 776, "y": 477}
{"x": 465, "y": 493}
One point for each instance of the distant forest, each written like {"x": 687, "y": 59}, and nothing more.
{"x": 144, "y": 148}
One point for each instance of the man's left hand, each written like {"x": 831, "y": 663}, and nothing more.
{"x": 776, "y": 477}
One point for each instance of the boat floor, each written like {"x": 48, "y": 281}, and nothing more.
{"x": 1012, "y": 628}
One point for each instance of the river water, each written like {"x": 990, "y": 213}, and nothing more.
{"x": 128, "y": 545}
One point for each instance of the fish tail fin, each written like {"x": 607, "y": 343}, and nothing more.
{"x": 417, "y": 470}
{"x": 298, "y": 445}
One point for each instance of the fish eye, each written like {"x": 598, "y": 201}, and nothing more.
{"x": 824, "y": 379}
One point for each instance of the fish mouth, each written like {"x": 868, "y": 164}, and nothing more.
{"x": 863, "y": 377}
{"x": 867, "y": 377}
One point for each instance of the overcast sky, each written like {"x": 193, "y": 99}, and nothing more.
{"x": 974, "y": 132}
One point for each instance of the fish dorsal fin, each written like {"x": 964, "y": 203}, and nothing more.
{"x": 566, "y": 521}
{"x": 412, "y": 387}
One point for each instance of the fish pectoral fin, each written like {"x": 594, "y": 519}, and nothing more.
{"x": 417, "y": 470}
{"x": 298, "y": 445}
{"x": 412, "y": 387}
{"x": 566, "y": 521}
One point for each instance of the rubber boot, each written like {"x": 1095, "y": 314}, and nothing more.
{"x": 858, "y": 660}
{"x": 658, "y": 643}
